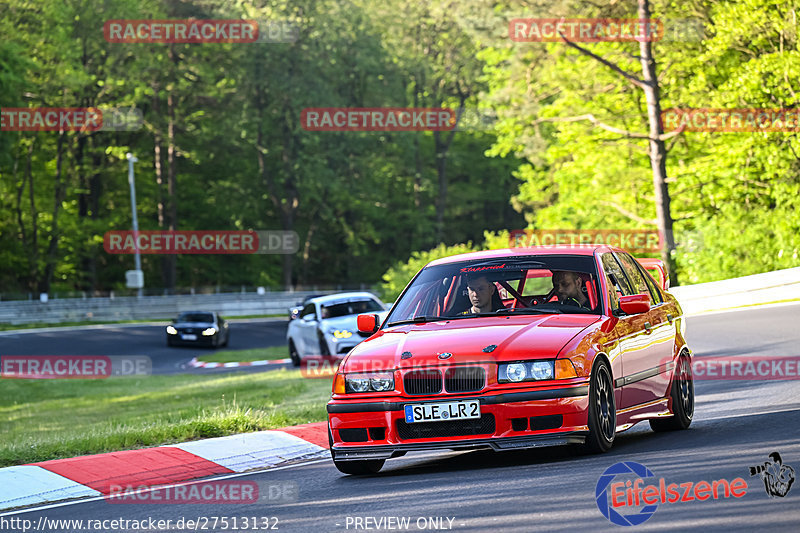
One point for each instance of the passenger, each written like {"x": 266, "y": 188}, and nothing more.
{"x": 482, "y": 295}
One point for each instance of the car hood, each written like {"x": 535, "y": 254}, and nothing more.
{"x": 515, "y": 338}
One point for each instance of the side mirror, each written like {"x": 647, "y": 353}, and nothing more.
{"x": 634, "y": 304}
{"x": 367, "y": 324}
{"x": 309, "y": 318}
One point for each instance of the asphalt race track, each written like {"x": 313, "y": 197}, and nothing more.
{"x": 134, "y": 339}
{"x": 737, "y": 424}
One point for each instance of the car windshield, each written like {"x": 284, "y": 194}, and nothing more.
{"x": 500, "y": 286}
{"x": 352, "y": 307}
{"x": 196, "y": 317}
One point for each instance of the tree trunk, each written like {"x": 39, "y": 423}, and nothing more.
{"x": 170, "y": 260}
{"x": 658, "y": 152}
{"x": 52, "y": 248}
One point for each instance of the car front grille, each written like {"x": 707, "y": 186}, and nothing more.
{"x": 464, "y": 379}
{"x": 423, "y": 382}
{"x": 485, "y": 425}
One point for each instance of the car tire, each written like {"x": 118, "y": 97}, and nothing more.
{"x": 355, "y": 468}
{"x": 169, "y": 342}
{"x": 227, "y": 338}
{"x": 602, "y": 410}
{"x": 293, "y": 355}
{"x": 682, "y": 393}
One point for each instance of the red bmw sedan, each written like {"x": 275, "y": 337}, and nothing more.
{"x": 512, "y": 349}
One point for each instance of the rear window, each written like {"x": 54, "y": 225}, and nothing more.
{"x": 354, "y": 307}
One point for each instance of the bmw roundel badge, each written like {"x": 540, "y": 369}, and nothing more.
{"x": 445, "y": 355}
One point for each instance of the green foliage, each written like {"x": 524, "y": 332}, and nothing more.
{"x": 397, "y": 277}
{"x": 229, "y": 115}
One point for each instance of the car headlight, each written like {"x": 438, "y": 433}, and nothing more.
{"x": 342, "y": 334}
{"x": 542, "y": 370}
{"x": 369, "y": 382}
{"x": 535, "y": 371}
{"x": 209, "y": 331}
{"x": 516, "y": 372}
{"x": 171, "y": 330}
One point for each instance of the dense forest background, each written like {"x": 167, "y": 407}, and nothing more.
{"x": 221, "y": 145}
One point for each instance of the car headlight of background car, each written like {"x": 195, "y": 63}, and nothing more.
{"x": 341, "y": 334}
{"x": 171, "y": 330}
{"x": 364, "y": 382}
{"x": 208, "y": 332}
{"x": 535, "y": 371}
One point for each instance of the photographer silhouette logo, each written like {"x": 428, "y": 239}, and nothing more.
{"x": 777, "y": 477}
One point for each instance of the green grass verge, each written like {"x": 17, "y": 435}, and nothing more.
{"x": 241, "y": 356}
{"x": 53, "y": 419}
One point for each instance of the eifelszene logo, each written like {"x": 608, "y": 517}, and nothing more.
{"x": 614, "y": 497}
{"x": 777, "y": 477}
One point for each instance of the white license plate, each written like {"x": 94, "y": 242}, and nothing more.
{"x": 189, "y": 337}
{"x": 437, "y": 412}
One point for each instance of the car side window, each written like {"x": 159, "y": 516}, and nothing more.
{"x": 614, "y": 272}
{"x": 309, "y": 309}
{"x": 640, "y": 285}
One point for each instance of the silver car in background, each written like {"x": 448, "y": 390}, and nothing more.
{"x": 326, "y": 326}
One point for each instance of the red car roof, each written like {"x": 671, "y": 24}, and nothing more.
{"x": 571, "y": 249}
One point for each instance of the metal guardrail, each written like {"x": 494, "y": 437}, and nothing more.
{"x": 148, "y": 307}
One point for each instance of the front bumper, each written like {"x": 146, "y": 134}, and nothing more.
{"x": 510, "y": 421}
{"x": 202, "y": 340}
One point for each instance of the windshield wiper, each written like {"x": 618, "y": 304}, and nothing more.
{"x": 417, "y": 320}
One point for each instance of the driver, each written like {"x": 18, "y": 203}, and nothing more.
{"x": 567, "y": 286}
{"x": 482, "y": 295}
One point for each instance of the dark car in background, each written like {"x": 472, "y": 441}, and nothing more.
{"x": 199, "y": 328}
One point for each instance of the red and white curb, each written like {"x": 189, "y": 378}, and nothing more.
{"x": 202, "y": 364}
{"x": 95, "y": 475}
